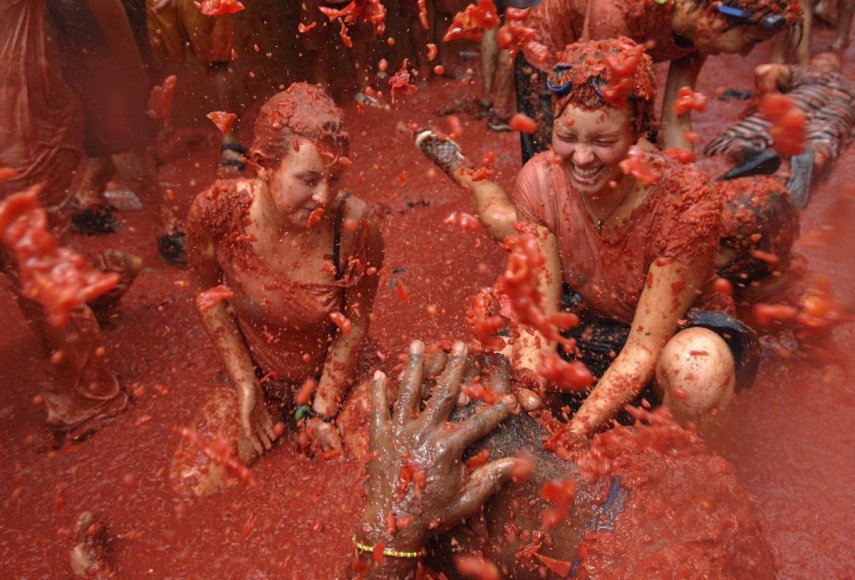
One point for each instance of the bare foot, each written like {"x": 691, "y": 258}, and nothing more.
{"x": 318, "y": 437}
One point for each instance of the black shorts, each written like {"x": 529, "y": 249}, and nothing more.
{"x": 599, "y": 341}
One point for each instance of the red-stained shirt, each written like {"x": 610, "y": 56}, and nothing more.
{"x": 285, "y": 322}
{"x": 558, "y": 23}
{"x": 679, "y": 218}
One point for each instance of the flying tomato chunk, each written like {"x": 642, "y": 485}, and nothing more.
{"x": 222, "y": 120}
{"x": 219, "y": 7}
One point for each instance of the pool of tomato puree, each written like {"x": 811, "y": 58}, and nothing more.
{"x": 791, "y": 444}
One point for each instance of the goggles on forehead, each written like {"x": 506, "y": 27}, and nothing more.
{"x": 559, "y": 83}
{"x": 746, "y": 18}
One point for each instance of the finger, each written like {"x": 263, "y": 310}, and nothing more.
{"x": 487, "y": 418}
{"x": 435, "y": 363}
{"x": 483, "y": 483}
{"x": 447, "y": 387}
{"x": 256, "y": 444}
{"x": 409, "y": 395}
{"x": 379, "y": 407}
{"x": 262, "y": 436}
{"x": 500, "y": 378}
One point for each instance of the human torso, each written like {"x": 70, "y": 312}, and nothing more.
{"x": 676, "y": 218}
{"x": 558, "y": 23}
{"x": 284, "y": 288}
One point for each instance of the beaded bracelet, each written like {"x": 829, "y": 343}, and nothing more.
{"x": 387, "y": 551}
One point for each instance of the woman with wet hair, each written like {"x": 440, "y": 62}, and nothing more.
{"x": 299, "y": 261}
{"x": 682, "y": 32}
{"x": 634, "y": 238}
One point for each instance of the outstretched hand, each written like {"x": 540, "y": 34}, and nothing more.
{"x": 417, "y": 481}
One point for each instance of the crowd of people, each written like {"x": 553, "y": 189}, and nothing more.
{"x": 636, "y": 261}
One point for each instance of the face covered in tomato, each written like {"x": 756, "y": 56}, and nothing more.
{"x": 591, "y": 144}
{"x": 303, "y": 182}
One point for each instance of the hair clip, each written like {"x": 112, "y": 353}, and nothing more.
{"x": 557, "y": 81}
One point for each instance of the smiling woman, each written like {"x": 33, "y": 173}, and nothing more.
{"x": 630, "y": 239}
{"x": 298, "y": 259}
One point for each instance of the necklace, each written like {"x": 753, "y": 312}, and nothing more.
{"x": 599, "y": 222}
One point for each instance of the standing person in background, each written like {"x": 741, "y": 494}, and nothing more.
{"x": 319, "y": 40}
{"x": 176, "y": 25}
{"x": 40, "y": 141}
{"x": 99, "y": 45}
{"x": 439, "y": 15}
{"x": 497, "y": 70}
{"x": 685, "y": 32}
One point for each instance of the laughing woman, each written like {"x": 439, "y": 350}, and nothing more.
{"x": 299, "y": 262}
{"x": 636, "y": 252}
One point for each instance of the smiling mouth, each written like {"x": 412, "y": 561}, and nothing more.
{"x": 586, "y": 175}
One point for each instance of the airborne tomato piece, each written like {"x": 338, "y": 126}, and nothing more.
{"x": 638, "y": 165}
{"x": 342, "y": 322}
{"x": 222, "y": 120}
{"x": 467, "y": 25}
{"x": 689, "y": 100}
{"x": 788, "y": 123}
{"x": 212, "y": 297}
{"x": 523, "y": 123}
{"x": 219, "y": 7}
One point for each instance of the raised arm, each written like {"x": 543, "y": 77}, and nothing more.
{"x": 342, "y": 357}
{"x": 222, "y": 328}
{"x": 682, "y": 72}
{"x": 491, "y": 202}
{"x": 671, "y": 289}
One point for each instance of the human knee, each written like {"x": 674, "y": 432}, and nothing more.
{"x": 696, "y": 373}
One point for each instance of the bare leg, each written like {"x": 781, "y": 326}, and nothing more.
{"x": 489, "y": 60}
{"x": 419, "y": 40}
{"x": 844, "y": 24}
{"x": 802, "y": 49}
{"x": 441, "y": 21}
{"x": 139, "y": 170}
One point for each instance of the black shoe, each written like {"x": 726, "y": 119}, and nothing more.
{"x": 735, "y": 95}
{"x": 95, "y": 221}
{"x": 237, "y": 162}
{"x": 764, "y": 162}
{"x": 171, "y": 248}
{"x": 801, "y": 175}
{"x": 498, "y": 125}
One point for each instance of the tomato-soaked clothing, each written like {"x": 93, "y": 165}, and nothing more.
{"x": 285, "y": 323}
{"x": 39, "y": 135}
{"x": 558, "y": 23}
{"x": 678, "y": 219}
{"x": 98, "y": 49}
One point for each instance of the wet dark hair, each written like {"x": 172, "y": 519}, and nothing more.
{"x": 302, "y": 110}
{"x": 790, "y": 12}
{"x": 584, "y": 76}
{"x": 760, "y": 216}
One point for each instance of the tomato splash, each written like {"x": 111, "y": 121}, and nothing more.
{"x": 314, "y": 217}
{"x": 160, "y": 99}
{"x": 400, "y": 81}
{"x": 342, "y": 322}
{"x": 219, "y": 7}
{"x": 212, "y": 297}
{"x": 467, "y": 24}
{"x": 788, "y": 123}
{"x": 59, "y": 278}
{"x": 637, "y": 163}
{"x": 222, "y": 120}
{"x": 689, "y": 100}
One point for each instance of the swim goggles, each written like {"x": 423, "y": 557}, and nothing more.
{"x": 746, "y": 18}
{"x": 559, "y": 83}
